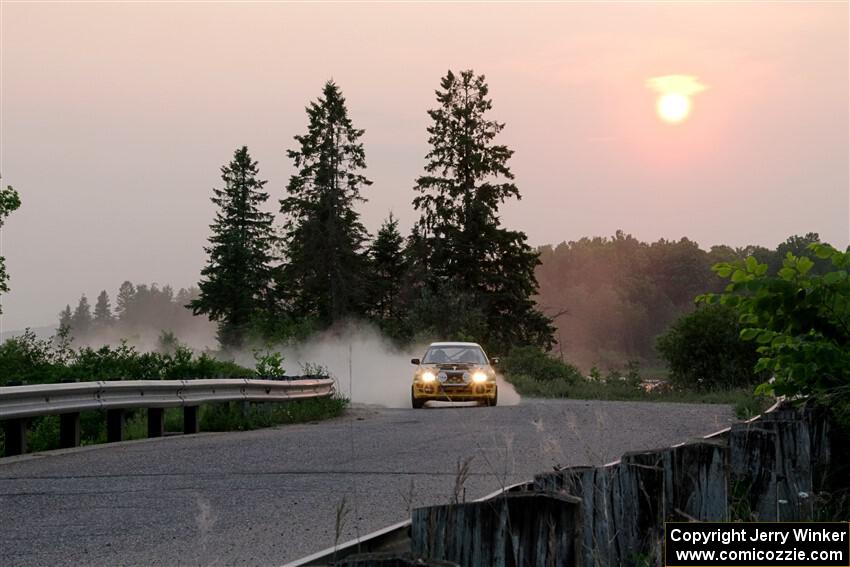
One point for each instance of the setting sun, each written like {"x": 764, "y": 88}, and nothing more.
{"x": 673, "y": 107}
{"x": 675, "y": 92}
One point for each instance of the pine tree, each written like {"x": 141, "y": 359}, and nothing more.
{"x": 389, "y": 267}
{"x": 65, "y": 318}
{"x": 126, "y": 294}
{"x": 102, "y": 311}
{"x": 469, "y": 258}
{"x": 323, "y": 274}
{"x": 235, "y": 282}
{"x": 81, "y": 320}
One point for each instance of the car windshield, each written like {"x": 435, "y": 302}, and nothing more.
{"x": 455, "y": 354}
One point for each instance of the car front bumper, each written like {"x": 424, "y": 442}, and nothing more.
{"x": 436, "y": 391}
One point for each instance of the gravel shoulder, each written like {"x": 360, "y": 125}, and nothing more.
{"x": 270, "y": 496}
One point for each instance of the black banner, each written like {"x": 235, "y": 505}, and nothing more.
{"x": 757, "y": 544}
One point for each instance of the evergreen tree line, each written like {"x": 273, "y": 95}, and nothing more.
{"x": 611, "y": 298}
{"x": 458, "y": 275}
{"x": 140, "y": 311}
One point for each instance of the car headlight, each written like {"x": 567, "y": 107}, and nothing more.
{"x": 479, "y": 377}
{"x": 428, "y": 376}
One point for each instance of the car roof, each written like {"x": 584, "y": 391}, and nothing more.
{"x": 455, "y": 344}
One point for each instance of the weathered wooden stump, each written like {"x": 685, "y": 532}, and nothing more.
{"x": 820, "y": 434}
{"x": 695, "y": 481}
{"x": 511, "y": 530}
{"x": 621, "y": 507}
{"x": 816, "y": 422}
{"x": 794, "y": 493}
{"x": 641, "y": 513}
{"x": 390, "y": 560}
{"x": 752, "y": 473}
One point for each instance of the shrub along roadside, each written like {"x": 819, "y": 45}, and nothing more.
{"x": 704, "y": 351}
{"x": 531, "y": 361}
{"x": 29, "y": 360}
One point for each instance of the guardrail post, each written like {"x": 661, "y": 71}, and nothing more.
{"x": 69, "y": 430}
{"x": 16, "y": 436}
{"x": 114, "y": 425}
{"x": 156, "y": 422}
{"x": 191, "y": 419}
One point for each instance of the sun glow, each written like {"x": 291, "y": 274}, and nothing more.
{"x": 675, "y": 92}
{"x": 673, "y": 107}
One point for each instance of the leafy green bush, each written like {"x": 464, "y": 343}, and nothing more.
{"x": 704, "y": 350}
{"x": 800, "y": 322}
{"x": 532, "y": 362}
{"x": 268, "y": 362}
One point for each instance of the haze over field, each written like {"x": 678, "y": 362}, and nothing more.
{"x": 115, "y": 119}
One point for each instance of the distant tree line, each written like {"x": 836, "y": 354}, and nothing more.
{"x": 458, "y": 275}
{"x": 139, "y": 311}
{"x": 611, "y": 298}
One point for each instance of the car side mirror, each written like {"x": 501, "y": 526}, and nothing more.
{"x": 414, "y": 361}
{"x": 495, "y": 360}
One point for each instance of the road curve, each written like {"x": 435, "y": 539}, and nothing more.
{"x": 271, "y": 496}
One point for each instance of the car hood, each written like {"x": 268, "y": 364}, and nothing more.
{"x": 454, "y": 366}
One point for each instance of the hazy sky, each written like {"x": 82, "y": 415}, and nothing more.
{"x": 117, "y": 117}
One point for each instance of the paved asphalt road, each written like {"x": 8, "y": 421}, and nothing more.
{"x": 270, "y": 496}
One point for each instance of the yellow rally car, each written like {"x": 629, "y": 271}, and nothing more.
{"x": 454, "y": 372}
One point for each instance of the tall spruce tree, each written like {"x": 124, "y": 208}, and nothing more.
{"x": 469, "y": 258}
{"x": 126, "y": 294}
{"x": 323, "y": 274}
{"x": 235, "y": 282}
{"x": 65, "y": 318}
{"x": 81, "y": 320}
{"x": 102, "y": 311}
{"x": 389, "y": 267}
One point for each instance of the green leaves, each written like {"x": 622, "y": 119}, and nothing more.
{"x": 804, "y": 265}
{"x": 787, "y": 273}
{"x": 823, "y": 251}
{"x": 833, "y": 278}
{"x": 749, "y": 334}
{"x": 800, "y": 321}
{"x": 9, "y": 201}
{"x": 739, "y": 276}
{"x": 723, "y": 270}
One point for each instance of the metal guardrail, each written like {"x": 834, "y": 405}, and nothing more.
{"x": 19, "y": 403}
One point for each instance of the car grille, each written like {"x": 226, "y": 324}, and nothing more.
{"x": 454, "y": 378}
